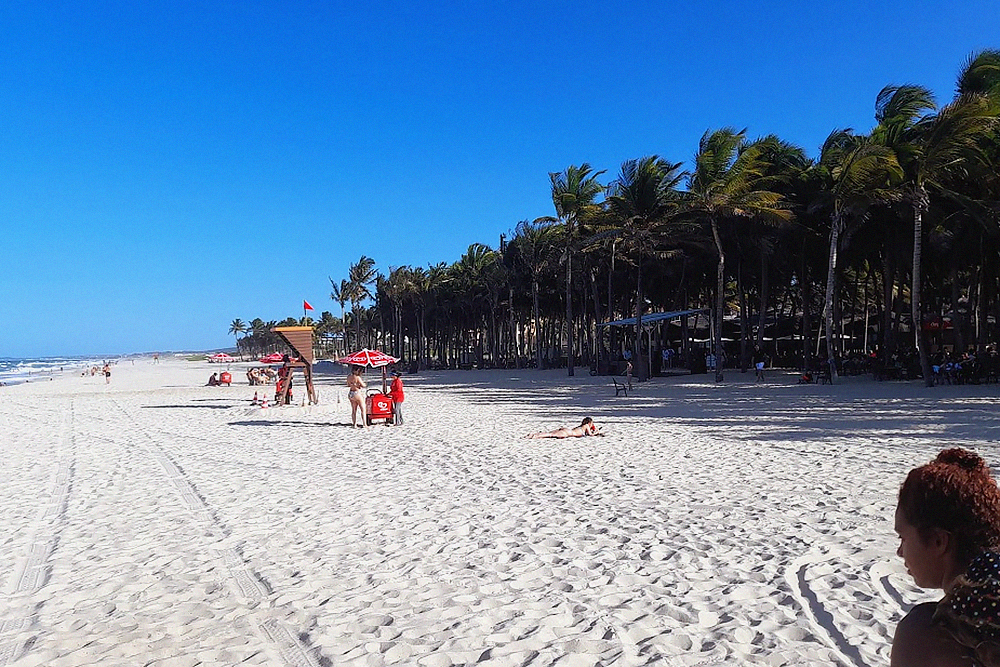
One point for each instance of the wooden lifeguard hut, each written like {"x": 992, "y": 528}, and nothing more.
{"x": 300, "y": 340}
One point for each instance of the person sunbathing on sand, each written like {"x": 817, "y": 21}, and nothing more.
{"x": 948, "y": 522}
{"x": 586, "y": 427}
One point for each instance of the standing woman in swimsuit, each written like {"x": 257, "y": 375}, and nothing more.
{"x": 356, "y": 395}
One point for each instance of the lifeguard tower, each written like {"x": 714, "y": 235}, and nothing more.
{"x": 300, "y": 340}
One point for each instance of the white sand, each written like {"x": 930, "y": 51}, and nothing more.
{"x": 159, "y": 522}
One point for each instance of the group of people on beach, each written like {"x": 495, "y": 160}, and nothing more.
{"x": 261, "y": 376}
{"x": 105, "y": 371}
{"x": 356, "y": 395}
{"x": 948, "y": 522}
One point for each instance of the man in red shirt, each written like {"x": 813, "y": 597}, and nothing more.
{"x": 396, "y": 392}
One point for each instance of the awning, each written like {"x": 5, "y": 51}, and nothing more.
{"x": 299, "y": 339}
{"x": 653, "y": 318}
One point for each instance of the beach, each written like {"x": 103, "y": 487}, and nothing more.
{"x": 157, "y": 521}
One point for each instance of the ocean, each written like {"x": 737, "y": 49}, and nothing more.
{"x": 16, "y": 371}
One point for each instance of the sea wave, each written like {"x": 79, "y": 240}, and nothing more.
{"x": 16, "y": 371}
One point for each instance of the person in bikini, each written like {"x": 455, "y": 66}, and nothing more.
{"x": 586, "y": 427}
{"x": 356, "y": 395}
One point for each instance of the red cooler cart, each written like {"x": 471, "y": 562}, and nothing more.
{"x": 378, "y": 406}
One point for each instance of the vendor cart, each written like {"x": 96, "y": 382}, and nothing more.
{"x": 378, "y": 407}
{"x": 378, "y": 404}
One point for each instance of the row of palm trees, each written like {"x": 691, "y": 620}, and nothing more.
{"x": 884, "y": 231}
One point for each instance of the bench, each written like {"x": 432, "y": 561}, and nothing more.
{"x": 620, "y": 387}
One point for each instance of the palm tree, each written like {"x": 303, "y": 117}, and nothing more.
{"x": 428, "y": 285}
{"x": 641, "y": 200}
{"x": 326, "y": 331}
{"x": 341, "y": 294}
{"x": 237, "y": 327}
{"x": 723, "y": 187}
{"x": 858, "y": 173}
{"x": 573, "y": 194}
{"x": 471, "y": 275}
{"x": 398, "y": 288}
{"x": 787, "y": 173}
{"x": 362, "y": 276}
{"x": 535, "y": 244}
{"x": 933, "y": 149}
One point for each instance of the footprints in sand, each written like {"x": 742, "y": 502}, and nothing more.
{"x": 292, "y": 543}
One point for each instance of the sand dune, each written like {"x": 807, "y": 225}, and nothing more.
{"x": 155, "y": 521}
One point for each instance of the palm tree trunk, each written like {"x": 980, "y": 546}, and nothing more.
{"x": 744, "y": 318}
{"x": 640, "y": 365}
{"x": 423, "y": 342}
{"x": 720, "y": 279}
{"x": 343, "y": 329}
{"x": 831, "y": 283}
{"x": 357, "y": 324}
{"x": 514, "y": 349}
{"x": 764, "y": 287}
{"x": 595, "y": 347}
{"x": 538, "y": 324}
{"x": 920, "y": 205}
{"x": 805, "y": 293}
{"x": 569, "y": 310}
{"x": 888, "y": 306}
{"x": 957, "y": 317}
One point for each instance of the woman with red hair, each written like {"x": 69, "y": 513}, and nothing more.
{"x": 948, "y": 522}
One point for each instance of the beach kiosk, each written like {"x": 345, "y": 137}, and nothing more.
{"x": 378, "y": 404}
{"x": 300, "y": 340}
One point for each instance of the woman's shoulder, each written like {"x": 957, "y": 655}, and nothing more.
{"x": 919, "y": 641}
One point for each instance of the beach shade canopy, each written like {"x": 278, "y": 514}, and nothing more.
{"x": 366, "y": 357}
{"x": 221, "y": 357}
{"x": 273, "y": 358}
{"x": 300, "y": 339}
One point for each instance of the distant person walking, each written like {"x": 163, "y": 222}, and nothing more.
{"x": 107, "y": 373}
{"x": 759, "y": 361}
{"x": 396, "y": 392}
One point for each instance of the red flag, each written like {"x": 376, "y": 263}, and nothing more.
{"x": 306, "y": 306}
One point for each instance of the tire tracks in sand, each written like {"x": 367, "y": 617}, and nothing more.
{"x": 294, "y": 648}
{"x": 32, "y": 568}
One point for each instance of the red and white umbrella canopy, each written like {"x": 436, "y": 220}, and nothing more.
{"x": 367, "y": 357}
{"x": 221, "y": 356}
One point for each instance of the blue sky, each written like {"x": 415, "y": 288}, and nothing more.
{"x": 167, "y": 167}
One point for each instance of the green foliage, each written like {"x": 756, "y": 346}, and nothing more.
{"x": 761, "y": 203}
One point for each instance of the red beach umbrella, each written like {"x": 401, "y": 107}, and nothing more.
{"x": 366, "y": 357}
